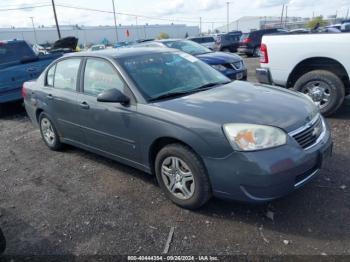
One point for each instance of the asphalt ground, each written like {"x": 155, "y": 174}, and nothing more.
{"x": 76, "y": 203}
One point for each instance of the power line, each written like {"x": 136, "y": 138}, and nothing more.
{"x": 23, "y": 8}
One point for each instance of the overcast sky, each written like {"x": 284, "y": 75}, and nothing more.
{"x": 180, "y": 11}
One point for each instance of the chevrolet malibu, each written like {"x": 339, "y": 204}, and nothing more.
{"x": 167, "y": 113}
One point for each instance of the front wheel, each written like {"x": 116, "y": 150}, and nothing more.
{"x": 324, "y": 87}
{"x": 182, "y": 176}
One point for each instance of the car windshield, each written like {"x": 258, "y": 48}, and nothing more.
{"x": 159, "y": 74}
{"x": 187, "y": 46}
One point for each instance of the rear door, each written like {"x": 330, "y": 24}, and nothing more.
{"x": 109, "y": 127}
{"x": 61, "y": 97}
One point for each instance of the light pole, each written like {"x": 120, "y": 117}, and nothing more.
{"x": 228, "y": 16}
{"x": 115, "y": 21}
{"x": 54, "y": 13}
{"x": 34, "y": 31}
{"x": 200, "y": 26}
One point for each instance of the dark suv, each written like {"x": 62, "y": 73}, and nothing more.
{"x": 228, "y": 42}
{"x": 250, "y": 42}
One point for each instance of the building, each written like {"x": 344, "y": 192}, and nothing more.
{"x": 252, "y": 23}
{"x": 98, "y": 34}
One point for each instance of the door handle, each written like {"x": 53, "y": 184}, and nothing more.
{"x": 49, "y": 96}
{"x": 84, "y": 105}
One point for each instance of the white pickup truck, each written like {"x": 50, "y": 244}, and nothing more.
{"x": 315, "y": 64}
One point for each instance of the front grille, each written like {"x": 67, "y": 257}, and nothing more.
{"x": 308, "y": 136}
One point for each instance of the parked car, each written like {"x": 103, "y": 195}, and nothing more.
{"x": 207, "y": 41}
{"x": 228, "y": 42}
{"x": 19, "y": 63}
{"x": 315, "y": 64}
{"x": 167, "y": 113}
{"x": 250, "y": 42}
{"x": 97, "y": 48}
{"x": 230, "y": 65}
{"x": 123, "y": 44}
{"x": 2, "y": 242}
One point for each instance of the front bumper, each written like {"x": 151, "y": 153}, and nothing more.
{"x": 245, "y": 50}
{"x": 262, "y": 176}
{"x": 236, "y": 75}
{"x": 264, "y": 76}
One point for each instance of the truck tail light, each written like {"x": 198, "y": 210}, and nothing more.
{"x": 264, "y": 56}
{"x": 24, "y": 91}
{"x": 247, "y": 40}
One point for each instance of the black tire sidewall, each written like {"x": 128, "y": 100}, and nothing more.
{"x": 334, "y": 83}
{"x": 202, "y": 191}
{"x": 57, "y": 145}
{"x": 2, "y": 242}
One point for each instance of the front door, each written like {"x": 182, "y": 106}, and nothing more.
{"x": 108, "y": 127}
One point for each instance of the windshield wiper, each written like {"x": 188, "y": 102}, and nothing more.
{"x": 186, "y": 92}
{"x": 169, "y": 95}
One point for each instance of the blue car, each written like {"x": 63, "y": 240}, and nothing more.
{"x": 230, "y": 65}
{"x": 19, "y": 63}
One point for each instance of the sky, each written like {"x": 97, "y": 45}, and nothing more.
{"x": 167, "y": 11}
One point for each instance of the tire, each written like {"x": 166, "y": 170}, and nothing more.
{"x": 2, "y": 242}
{"x": 200, "y": 188}
{"x": 226, "y": 50}
{"x": 53, "y": 142}
{"x": 332, "y": 86}
{"x": 256, "y": 52}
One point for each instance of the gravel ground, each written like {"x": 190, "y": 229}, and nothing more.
{"x": 74, "y": 202}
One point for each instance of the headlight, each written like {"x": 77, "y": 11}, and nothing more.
{"x": 248, "y": 137}
{"x": 219, "y": 67}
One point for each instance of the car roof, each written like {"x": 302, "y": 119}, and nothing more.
{"x": 121, "y": 52}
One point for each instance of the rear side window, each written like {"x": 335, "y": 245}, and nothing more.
{"x": 66, "y": 74}
{"x": 100, "y": 76}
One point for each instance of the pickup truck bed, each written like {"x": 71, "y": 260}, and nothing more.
{"x": 19, "y": 63}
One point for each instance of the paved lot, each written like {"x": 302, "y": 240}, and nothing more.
{"x": 74, "y": 202}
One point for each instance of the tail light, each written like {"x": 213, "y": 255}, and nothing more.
{"x": 264, "y": 57}
{"x": 247, "y": 40}
{"x": 24, "y": 91}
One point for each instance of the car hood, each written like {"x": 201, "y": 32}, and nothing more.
{"x": 242, "y": 102}
{"x": 215, "y": 58}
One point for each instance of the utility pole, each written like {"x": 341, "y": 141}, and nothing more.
{"x": 200, "y": 26}
{"x": 285, "y": 22}
{"x": 54, "y": 12}
{"x": 228, "y": 17}
{"x": 115, "y": 21}
{"x": 137, "y": 28}
{"x": 35, "y": 36}
{"x": 347, "y": 14}
{"x": 282, "y": 15}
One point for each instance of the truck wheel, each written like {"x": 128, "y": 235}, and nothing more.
{"x": 182, "y": 176}
{"x": 324, "y": 87}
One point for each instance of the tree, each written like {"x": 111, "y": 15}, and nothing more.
{"x": 316, "y": 22}
{"x": 163, "y": 35}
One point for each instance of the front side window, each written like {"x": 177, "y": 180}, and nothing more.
{"x": 158, "y": 74}
{"x": 66, "y": 74}
{"x": 100, "y": 76}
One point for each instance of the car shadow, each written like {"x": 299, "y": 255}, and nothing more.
{"x": 344, "y": 111}
{"x": 13, "y": 109}
{"x": 302, "y": 213}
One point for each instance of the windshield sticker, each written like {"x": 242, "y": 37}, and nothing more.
{"x": 190, "y": 58}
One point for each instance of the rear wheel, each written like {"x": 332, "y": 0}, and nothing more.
{"x": 324, "y": 87}
{"x": 49, "y": 132}
{"x": 182, "y": 176}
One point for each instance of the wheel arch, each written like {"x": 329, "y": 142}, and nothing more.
{"x": 319, "y": 63}
{"x": 162, "y": 142}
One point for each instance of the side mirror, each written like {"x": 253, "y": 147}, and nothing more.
{"x": 113, "y": 96}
